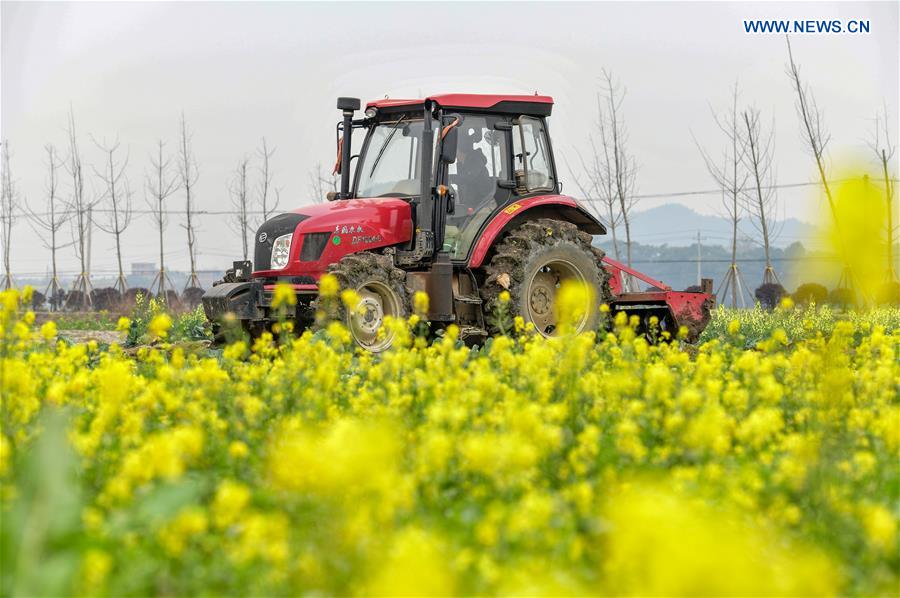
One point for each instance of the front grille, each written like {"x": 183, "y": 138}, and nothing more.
{"x": 313, "y": 246}
{"x": 303, "y": 279}
{"x": 269, "y": 231}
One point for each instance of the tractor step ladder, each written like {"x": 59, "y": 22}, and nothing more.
{"x": 470, "y": 331}
{"x": 467, "y": 299}
{"x": 474, "y": 328}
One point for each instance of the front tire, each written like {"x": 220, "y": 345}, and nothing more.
{"x": 531, "y": 263}
{"x": 382, "y": 291}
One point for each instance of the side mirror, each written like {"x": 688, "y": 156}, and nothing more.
{"x": 448, "y": 146}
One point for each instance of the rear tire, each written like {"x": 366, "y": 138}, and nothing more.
{"x": 383, "y": 293}
{"x": 531, "y": 262}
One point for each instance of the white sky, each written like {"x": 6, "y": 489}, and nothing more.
{"x": 241, "y": 71}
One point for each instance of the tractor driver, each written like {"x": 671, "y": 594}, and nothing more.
{"x": 474, "y": 190}
{"x": 473, "y": 181}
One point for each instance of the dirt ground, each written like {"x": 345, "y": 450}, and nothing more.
{"x": 101, "y": 336}
{"x": 43, "y": 316}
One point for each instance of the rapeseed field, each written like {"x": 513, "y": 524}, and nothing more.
{"x": 753, "y": 463}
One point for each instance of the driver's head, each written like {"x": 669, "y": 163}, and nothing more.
{"x": 467, "y": 152}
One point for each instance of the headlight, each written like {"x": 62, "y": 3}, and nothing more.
{"x": 281, "y": 251}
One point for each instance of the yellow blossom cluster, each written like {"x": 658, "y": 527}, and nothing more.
{"x": 589, "y": 464}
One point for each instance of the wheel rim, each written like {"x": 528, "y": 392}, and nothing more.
{"x": 542, "y": 291}
{"x": 377, "y": 301}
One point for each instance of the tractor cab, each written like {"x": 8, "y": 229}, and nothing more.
{"x": 499, "y": 159}
{"x": 454, "y": 195}
{"x": 479, "y": 154}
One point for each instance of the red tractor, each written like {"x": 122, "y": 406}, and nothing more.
{"x": 458, "y": 196}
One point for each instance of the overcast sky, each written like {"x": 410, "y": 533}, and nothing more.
{"x": 241, "y": 71}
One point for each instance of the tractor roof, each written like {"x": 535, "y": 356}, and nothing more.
{"x": 510, "y": 104}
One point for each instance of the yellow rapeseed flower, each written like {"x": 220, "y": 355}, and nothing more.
{"x": 351, "y": 299}
{"x": 48, "y": 330}
{"x": 230, "y": 501}
{"x": 525, "y": 466}
{"x": 238, "y": 449}
{"x": 420, "y": 303}
{"x": 328, "y": 285}
{"x": 284, "y": 295}
{"x": 159, "y": 326}
{"x": 95, "y": 569}
{"x": 123, "y": 324}
{"x": 190, "y": 522}
{"x": 415, "y": 564}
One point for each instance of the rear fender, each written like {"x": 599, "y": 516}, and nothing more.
{"x": 559, "y": 207}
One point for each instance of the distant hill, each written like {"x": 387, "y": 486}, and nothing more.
{"x": 677, "y": 265}
{"x": 677, "y": 225}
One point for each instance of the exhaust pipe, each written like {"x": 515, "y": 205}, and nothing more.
{"x": 348, "y": 106}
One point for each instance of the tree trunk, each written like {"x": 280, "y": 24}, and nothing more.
{"x": 627, "y": 235}
{"x": 734, "y": 231}
{"x": 888, "y": 197}
{"x": 162, "y": 267}
{"x": 119, "y": 259}
{"x": 612, "y": 230}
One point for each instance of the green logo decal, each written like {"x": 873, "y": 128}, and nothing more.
{"x": 336, "y": 240}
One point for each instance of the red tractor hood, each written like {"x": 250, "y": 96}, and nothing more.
{"x": 387, "y": 214}
{"x": 332, "y": 230}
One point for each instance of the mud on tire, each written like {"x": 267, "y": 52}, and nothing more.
{"x": 377, "y": 280}
{"x": 521, "y": 257}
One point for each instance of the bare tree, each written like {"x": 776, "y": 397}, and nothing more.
{"x": 884, "y": 152}
{"x": 81, "y": 208}
{"x": 811, "y": 123}
{"x": 618, "y": 166}
{"x": 601, "y": 181}
{"x": 267, "y": 203}
{"x": 590, "y": 191}
{"x": 117, "y": 195}
{"x": 8, "y": 205}
{"x": 817, "y": 138}
{"x": 731, "y": 179}
{"x": 238, "y": 189}
{"x": 187, "y": 168}
{"x": 48, "y": 224}
{"x": 761, "y": 197}
{"x": 320, "y": 183}
{"x": 160, "y": 185}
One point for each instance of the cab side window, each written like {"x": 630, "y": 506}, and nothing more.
{"x": 531, "y": 158}
{"x": 482, "y": 160}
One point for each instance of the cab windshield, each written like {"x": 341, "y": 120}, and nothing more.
{"x": 390, "y": 165}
